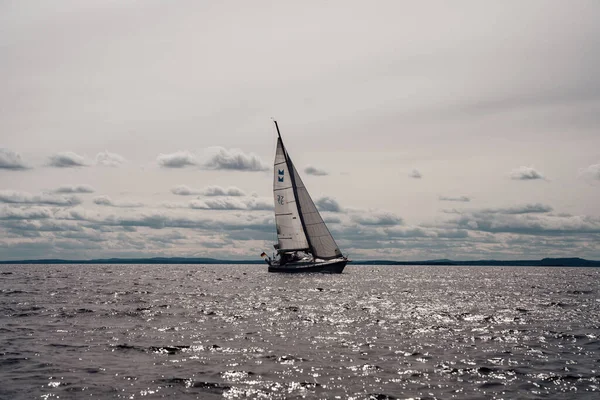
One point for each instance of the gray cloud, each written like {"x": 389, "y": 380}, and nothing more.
{"x": 154, "y": 220}
{"x": 525, "y": 174}
{"x": 41, "y": 225}
{"x": 310, "y": 170}
{"x": 536, "y": 223}
{"x": 328, "y": 204}
{"x": 179, "y": 159}
{"x": 397, "y": 232}
{"x": 328, "y": 219}
{"x": 459, "y": 198}
{"x": 11, "y": 160}
{"x": 107, "y": 201}
{"x": 74, "y": 189}
{"x": 109, "y": 159}
{"x": 85, "y": 234}
{"x": 78, "y": 229}
{"x": 14, "y": 197}
{"x": 377, "y": 219}
{"x": 221, "y": 158}
{"x": 415, "y": 174}
{"x": 229, "y": 203}
{"x": 24, "y": 213}
{"x": 524, "y": 209}
{"x": 219, "y": 191}
{"x": 162, "y": 220}
{"x": 183, "y": 190}
{"x": 67, "y": 159}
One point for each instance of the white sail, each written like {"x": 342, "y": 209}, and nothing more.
{"x": 289, "y": 226}
{"x": 322, "y": 244}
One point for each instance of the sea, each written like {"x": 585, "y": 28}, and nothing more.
{"x": 237, "y": 332}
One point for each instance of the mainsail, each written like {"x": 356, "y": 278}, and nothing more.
{"x": 299, "y": 224}
{"x": 287, "y": 218}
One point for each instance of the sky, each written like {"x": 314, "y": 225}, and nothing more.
{"x": 422, "y": 129}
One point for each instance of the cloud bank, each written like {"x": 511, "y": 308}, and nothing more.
{"x": 524, "y": 209}
{"x": 229, "y": 203}
{"x": 14, "y": 197}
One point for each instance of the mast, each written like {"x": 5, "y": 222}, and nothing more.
{"x": 279, "y": 134}
{"x": 290, "y": 167}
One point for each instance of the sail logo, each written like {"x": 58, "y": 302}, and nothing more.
{"x": 281, "y": 172}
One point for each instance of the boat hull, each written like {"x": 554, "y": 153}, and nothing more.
{"x": 335, "y": 267}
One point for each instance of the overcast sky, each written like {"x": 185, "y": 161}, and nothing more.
{"x": 422, "y": 129}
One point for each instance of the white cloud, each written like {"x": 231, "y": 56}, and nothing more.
{"x": 11, "y": 160}
{"x": 74, "y": 189}
{"x": 67, "y": 159}
{"x": 220, "y": 158}
{"x": 310, "y": 170}
{"x": 525, "y": 174}
{"x": 109, "y": 159}
{"x": 219, "y": 191}
{"x": 179, "y": 159}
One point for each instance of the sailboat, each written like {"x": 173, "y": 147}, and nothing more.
{"x": 304, "y": 243}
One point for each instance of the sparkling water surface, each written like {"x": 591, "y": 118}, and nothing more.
{"x": 236, "y": 331}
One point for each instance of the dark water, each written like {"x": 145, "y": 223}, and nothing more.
{"x": 219, "y": 331}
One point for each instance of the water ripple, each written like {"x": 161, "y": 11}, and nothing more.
{"x": 218, "y": 331}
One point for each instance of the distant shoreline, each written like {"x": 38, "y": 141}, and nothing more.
{"x": 545, "y": 262}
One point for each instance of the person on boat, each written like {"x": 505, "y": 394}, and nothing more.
{"x": 266, "y": 257}
{"x": 285, "y": 258}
